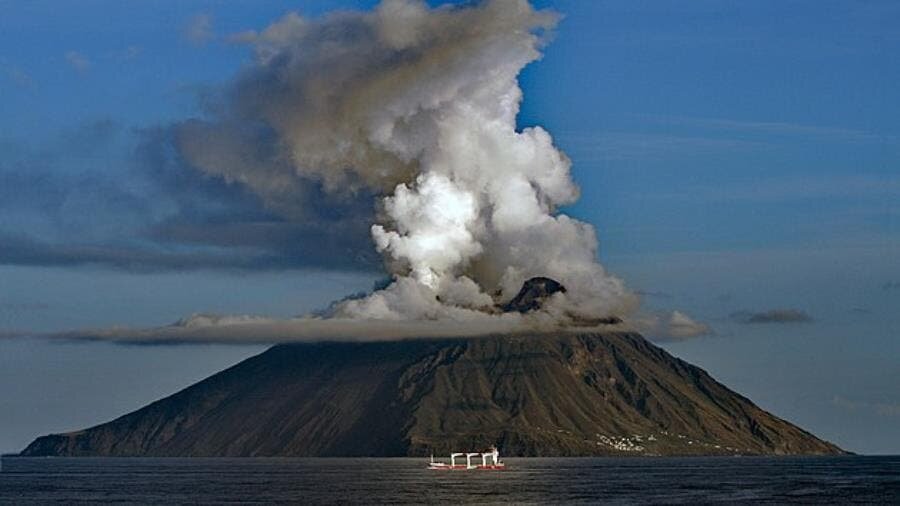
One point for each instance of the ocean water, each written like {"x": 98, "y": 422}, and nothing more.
{"x": 810, "y": 480}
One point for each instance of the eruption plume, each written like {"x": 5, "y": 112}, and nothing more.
{"x": 417, "y": 108}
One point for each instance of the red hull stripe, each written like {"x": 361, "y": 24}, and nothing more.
{"x": 473, "y": 468}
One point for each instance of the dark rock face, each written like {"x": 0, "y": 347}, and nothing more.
{"x": 532, "y": 294}
{"x": 542, "y": 395}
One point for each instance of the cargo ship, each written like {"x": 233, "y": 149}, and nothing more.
{"x": 490, "y": 460}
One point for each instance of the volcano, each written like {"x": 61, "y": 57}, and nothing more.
{"x": 533, "y": 294}
{"x": 551, "y": 394}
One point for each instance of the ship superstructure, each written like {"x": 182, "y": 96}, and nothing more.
{"x": 489, "y": 460}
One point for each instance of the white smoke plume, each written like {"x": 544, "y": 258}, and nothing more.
{"x": 416, "y": 106}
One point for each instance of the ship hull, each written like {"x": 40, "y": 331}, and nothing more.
{"x": 447, "y": 467}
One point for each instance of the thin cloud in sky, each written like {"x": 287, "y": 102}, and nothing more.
{"x": 771, "y": 128}
{"x": 79, "y": 62}
{"x": 704, "y": 136}
{"x": 18, "y": 76}
{"x": 889, "y": 409}
{"x": 788, "y": 187}
{"x": 609, "y": 146}
{"x": 788, "y": 315}
{"x": 199, "y": 29}
{"x": 248, "y": 329}
{"x": 129, "y": 53}
{"x": 654, "y": 294}
{"x": 64, "y": 209}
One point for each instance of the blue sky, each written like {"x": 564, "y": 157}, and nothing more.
{"x": 734, "y": 157}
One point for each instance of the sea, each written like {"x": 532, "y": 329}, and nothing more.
{"x": 644, "y": 480}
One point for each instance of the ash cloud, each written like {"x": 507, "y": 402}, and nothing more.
{"x": 249, "y": 329}
{"x": 417, "y": 108}
{"x": 106, "y": 195}
{"x": 771, "y": 316}
{"x": 360, "y": 135}
{"x": 662, "y": 327}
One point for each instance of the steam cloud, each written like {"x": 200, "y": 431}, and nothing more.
{"x": 416, "y": 107}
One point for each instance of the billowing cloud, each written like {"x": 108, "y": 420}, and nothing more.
{"x": 416, "y": 107}
{"x": 772, "y": 316}
{"x": 388, "y": 132}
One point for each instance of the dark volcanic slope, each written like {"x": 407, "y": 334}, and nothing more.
{"x": 566, "y": 394}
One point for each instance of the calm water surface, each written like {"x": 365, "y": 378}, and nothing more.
{"x": 814, "y": 480}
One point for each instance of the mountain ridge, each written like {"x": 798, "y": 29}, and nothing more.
{"x": 558, "y": 394}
